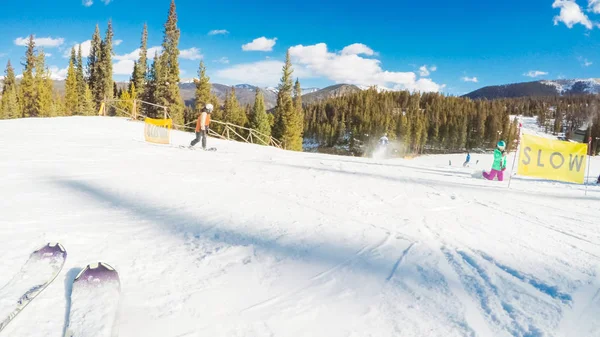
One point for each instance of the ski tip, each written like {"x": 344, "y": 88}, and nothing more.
{"x": 97, "y": 272}
{"x": 52, "y": 249}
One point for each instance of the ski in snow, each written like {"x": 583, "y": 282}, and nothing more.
{"x": 37, "y": 273}
{"x": 94, "y": 302}
{"x": 195, "y": 148}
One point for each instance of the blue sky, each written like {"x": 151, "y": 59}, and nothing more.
{"x": 435, "y": 45}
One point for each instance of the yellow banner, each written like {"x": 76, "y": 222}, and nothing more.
{"x": 552, "y": 159}
{"x": 158, "y": 130}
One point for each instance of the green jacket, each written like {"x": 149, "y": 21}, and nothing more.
{"x": 499, "y": 161}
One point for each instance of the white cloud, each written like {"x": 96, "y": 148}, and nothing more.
{"x": 263, "y": 73}
{"x": 40, "y": 41}
{"x": 594, "y": 6}
{"x": 58, "y": 74}
{"x": 123, "y": 67}
{"x": 585, "y": 62}
{"x": 118, "y": 42}
{"x": 223, "y": 60}
{"x": 86, "y": 47}
{"x": 354, "y": 69}
{"x": 135, "y": 55}
{"x": 470, "y": 79}
{"x": 571, "y": 14}
{"x": 190, "y": 54}
{"x": 357, "y": 49}
{"x": 535, "y": 73}
{"x": 260, "y": 44}
{"x": 48, "y": 54}
{"x": 218, "y": 32}
{"x": 422, "y": 85}
{"x": 88, "y": 3}
{"x": 426, "y": 71}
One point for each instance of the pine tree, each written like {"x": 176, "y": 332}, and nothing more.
{"x": 259, "y": 119}
{"x": 44, "y": 105}
{"x": 125, "y": 102}
{"x": 203, "y": 93}
{"x": 106, "y": 64}
{"x": 170, "y": 64}
{"x": 71, "y": 94}
{"x": 284, "y": 99}
{"x": 140, "y": 68}
{"x": 287, "y": 119}
{"x": 28, "y": 93}
{"x": 155, "y": 88}
{"x": 233, "y": 112}
{"x": 203, "y": 86}
{"x": 94, "y": 80}
{"x": 89, "y": 108}
{"x": 9, "y": 105}
{"x": 81, "y": 106}
{"x": 296, "y": 127}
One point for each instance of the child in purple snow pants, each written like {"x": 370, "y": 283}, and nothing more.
{"x": 499, "y": 163}
{"x": 493, "y": 174}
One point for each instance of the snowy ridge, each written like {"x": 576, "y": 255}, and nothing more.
{"x": 590, "y": 86}
{"x": 378, "y": 87}
{"x": 256, "y": 241}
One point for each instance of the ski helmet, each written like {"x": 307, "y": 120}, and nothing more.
{"x": 209, "y": 107}
{"x": 501, "y": 145}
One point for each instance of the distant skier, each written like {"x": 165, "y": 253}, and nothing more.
{"x": 202, "y": 126}
{"x": 467, "y": 160}
{"x": 383, "y": 141}
{"x": 499, "y": 163}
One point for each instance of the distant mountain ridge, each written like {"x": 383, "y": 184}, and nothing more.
{"x": 245, "y": 93}
{"x": 538, "y": 89}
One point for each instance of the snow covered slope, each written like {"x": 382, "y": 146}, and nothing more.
{"x": 255, "y": 241}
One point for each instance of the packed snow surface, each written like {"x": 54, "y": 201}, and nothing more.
{"x": 257, "y": 241}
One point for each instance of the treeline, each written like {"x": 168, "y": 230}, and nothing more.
{"x": 34, "y": 96}
{"x": 416, "y": 122}
{"x": 433, "y": 122}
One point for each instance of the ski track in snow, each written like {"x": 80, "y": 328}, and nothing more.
{"x": 254, "y": 241}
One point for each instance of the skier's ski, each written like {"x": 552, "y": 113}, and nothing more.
{"x": 37, "y": 273}
{"x": 197, "y": 148}
{"x": 94, "y": 302}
